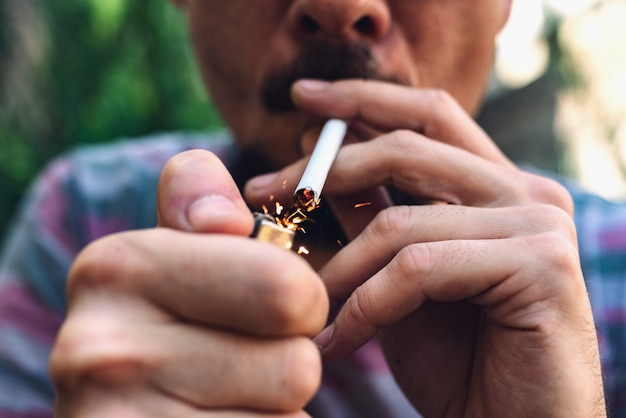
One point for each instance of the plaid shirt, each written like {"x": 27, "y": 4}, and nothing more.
{"x": 105, "y": 189}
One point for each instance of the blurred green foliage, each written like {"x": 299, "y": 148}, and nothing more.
{"x": 88, "y": 71}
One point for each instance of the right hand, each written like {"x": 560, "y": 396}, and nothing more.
{"x": 192, "y": 318}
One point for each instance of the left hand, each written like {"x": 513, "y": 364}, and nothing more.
{"x": 480, "y": 303}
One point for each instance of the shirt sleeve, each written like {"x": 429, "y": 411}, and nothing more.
{"x": 601, "y": 228}
{"x": 33, "y": 267}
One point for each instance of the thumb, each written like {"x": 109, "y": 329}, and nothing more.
{"x": 196, "y": 193}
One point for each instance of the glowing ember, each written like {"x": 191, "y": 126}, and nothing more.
{"x": 304, "y": 199}
{"x": 361, "y": 205}
{"x": 303, "y": 250}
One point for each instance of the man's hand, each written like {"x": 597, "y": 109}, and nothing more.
{"x": 192, "y": 318}
{"x": 479, "y": 302}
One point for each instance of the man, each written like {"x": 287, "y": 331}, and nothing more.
{"x": 476, "y": 299}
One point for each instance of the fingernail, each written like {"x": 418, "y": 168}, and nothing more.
{"x": 261, "y": 182}
{"x": 312, "y": 85}
{"x": 323, "y": 338}
{"x": 208, "y": 208}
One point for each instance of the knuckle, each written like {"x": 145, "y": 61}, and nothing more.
{"x": 102, "y": 354}
{"x": 440, "y": 99}
{"x": 359, "y": 308}
{"x": 295, "y": 304}
{"x": 554, "y": 251}
{"x": 301, "y": 373}
{"x": 556, "y": 219}
{"x": 550, "y": 191}
{"x": 400, "y": 141}
{"x": 395, "y": 147}
{"x": 416, "y": 260}
{"x": 555, "y": 268}
{"x": 368, "y": 86}
{"x": 443, "y": 106}
{"x": 97, "y": 264}
{"x": 109, "y": 262}
{"x": 391, "y": 221}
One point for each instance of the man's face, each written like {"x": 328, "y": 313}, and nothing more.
{"x": 250, "y": 52}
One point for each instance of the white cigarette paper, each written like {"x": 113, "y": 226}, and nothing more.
{"x": 323, "y": 156}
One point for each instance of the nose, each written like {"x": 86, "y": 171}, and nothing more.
{"x": 340, "y": 19}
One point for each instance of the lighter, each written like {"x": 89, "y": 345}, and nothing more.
{"x": 266, "y": 229}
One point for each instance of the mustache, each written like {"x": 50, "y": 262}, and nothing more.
{"x": 324, "y": 61}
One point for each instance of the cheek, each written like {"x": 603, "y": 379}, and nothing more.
{"x": 218, "y": 51}
{"x": 233, "y": 39}
{"x": 450, "y": 50}
{"x": 221, "y": 32}
{"x": 475, "y": 58}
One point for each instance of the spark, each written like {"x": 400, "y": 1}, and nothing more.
{"x": 303, "y": 250}
{"x": 291, "y": 219}
{"x": 361, "y": 205}
{"x": 279, "y": 208}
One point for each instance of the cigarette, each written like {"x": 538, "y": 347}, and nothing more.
{"x": 308, "y": 191}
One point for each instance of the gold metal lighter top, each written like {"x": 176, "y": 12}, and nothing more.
{"x": 266, "y": 229}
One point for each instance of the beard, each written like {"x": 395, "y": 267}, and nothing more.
{"x": 324, "y": 61}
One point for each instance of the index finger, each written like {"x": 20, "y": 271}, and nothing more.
{"x": 387, "y": 107}
{"x": 221, "y": 280}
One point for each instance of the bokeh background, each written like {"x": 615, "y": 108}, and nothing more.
{"x": 76, "y": 72}
{"x": 86, "y": 71}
